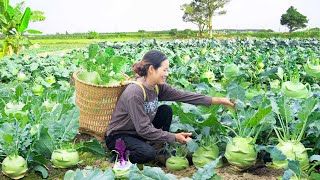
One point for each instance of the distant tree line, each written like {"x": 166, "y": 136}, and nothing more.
{"x": 201, "y": 13}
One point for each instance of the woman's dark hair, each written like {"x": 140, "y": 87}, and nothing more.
{"x": 152, "y": 57}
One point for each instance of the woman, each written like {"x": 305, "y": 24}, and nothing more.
{"x": 137, "y": 117}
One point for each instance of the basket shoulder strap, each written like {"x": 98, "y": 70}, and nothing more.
{"x": 141, "y": 86}
{"x": 157, "y": 89}
{"x": 144, "y": 91}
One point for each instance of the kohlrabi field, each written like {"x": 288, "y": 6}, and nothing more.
{"x": 274, "y": 133}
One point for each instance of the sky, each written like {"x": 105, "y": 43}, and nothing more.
{"x": 152, "y": 15}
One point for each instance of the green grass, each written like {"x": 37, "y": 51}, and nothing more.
{"x": 56, "y": 47}
{"x": 61, "y": 42}
{"x": 88, "y": 41}
{"x": 50, "y": 45}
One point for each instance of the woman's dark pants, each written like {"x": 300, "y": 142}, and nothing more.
{"x": 140, "y": 151}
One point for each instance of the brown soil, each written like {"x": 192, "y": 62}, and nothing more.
{"x": 227, "y": 172}
{"x": 261, "y": 173}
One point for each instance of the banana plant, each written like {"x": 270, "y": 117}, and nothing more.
{"x": 14, "y": 21}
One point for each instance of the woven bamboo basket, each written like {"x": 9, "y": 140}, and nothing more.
{"x": 96, "y": 104}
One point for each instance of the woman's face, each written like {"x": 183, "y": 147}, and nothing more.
{"x": 160, "y": 75}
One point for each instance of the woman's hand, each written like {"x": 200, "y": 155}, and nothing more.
{"x": 223, "y": 101}
{"x": 183, "y": 137}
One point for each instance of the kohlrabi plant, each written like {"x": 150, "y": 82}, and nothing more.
{"x": 22, "y": 77}
{"x": 37, "y": 89}
{"x": 247, "y": 124}
{"x": 122, "y": 164}
{"x": 63, "y": 132}
{"x": 312, "y": 67}
{"x": 16, "y": 109}
{"x": 16, "y": 105}
{"x": 294, "y": 173}
{"x": 293, "y": 125}
{"x": 14, "y": 166}
{"x": 50, "y": 80}
{"x": 207, "y": 151}
{"x": 49, "y": 105}
{"x": 177, "y": 160}
{"x": 15, "y": 143}
{"x": 55, "y": 138}
{"x": 294, "y": 88}
{"x": 64, "y": 158}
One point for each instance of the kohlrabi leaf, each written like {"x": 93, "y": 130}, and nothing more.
{"x": 93, "y": 50}
{"x": 44, "y": 145}
{"x": 258, "y": 115}
{"x": 118, "y": 64}
{"x": 136, "y": 174}
{"x": 294, "y": 165}
{"x": 14, "y": 139}
{"x": 42, "y": 170}
{"x": 275, "y": 153}
{"x": 50, "y": 118}
{"x": 192, "y": 146}
{"x": 287, "y": 174}
{"x": 314, "y": 175}
{"x": 237, "y": 92}
{"x": 284, "y": 109}
{"x": 92, "y": 146}
{"x": 89, "y": 174}
{"x": 207, "y": 172}
{"x": 109, "y": 51}
{"x": 255, "y": 102}
{"x": 65, "y": 129}
{"x": 102, "y": 58}
{"x": 99, "y": 174}
{"x": 185, "y": 114}
{"x": 314, "y": 158}
{"x": 176, "y": 126}
{"x": 74, "y": 175}
{"x": 157, "y": 173}
{"x": 306, "y": 108}
{"x": 206, "y": 131}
